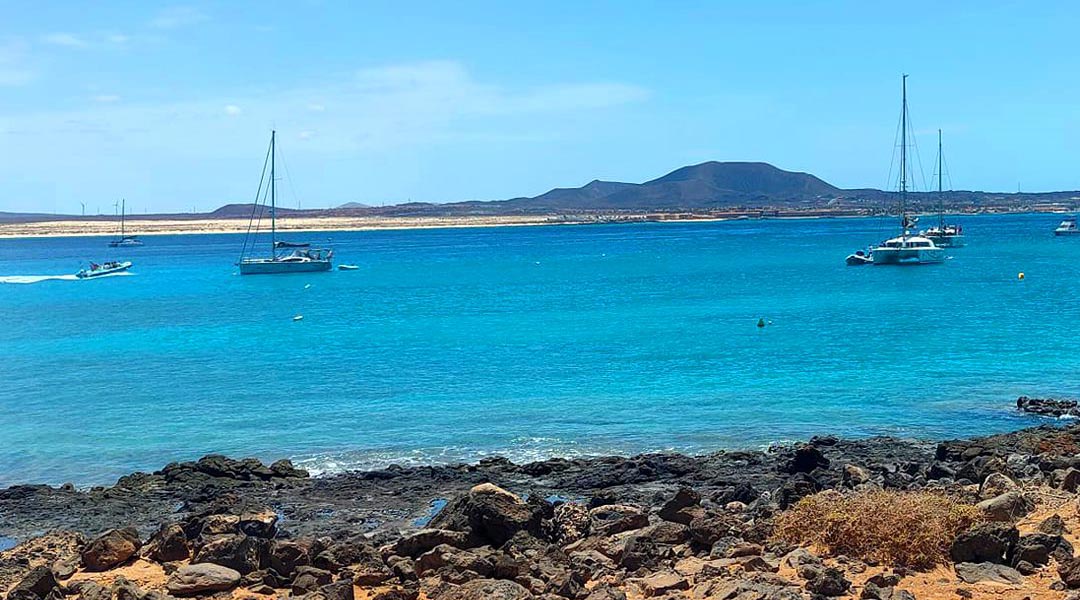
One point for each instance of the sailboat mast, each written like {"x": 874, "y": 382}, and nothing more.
{"x": 273, "y": 193}
{"x": 940, "y": 189}
{"x": 903, "y": 156}
{"x": 123, "y": 210}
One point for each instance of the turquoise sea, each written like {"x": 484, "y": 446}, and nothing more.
{"x": 450, "y": 345}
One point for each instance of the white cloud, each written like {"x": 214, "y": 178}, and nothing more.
{"x": 232, "y": 110}
{"x": 63, "y": 39}
{"x": 306, "y": 134}
{"x": 176, "y": 17}
{"x": 105, "y": 98}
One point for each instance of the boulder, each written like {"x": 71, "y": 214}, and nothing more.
{"x": 35, "y": 585}
{"x": 424, "y": 540}
{"x": 616, "y": 518}
{"x": 488, "y": 513}
{"x": 367, "y": 565}
{"x": 988, "y": 542}
{"x": 112, "y": 548}
{"x": 1036, "y": 548}
{"x": 828, "y": 581}
{"x": 570, "y": 522}
{"x": 286, "y": 556}
{"x": 310, "y": 579}
{"x": 190, "y": 580}
{"x": 661, "y": 583}
{"x": 1053, "y": 525}
{"x": 1070, "y": 480}
{"x": 682, "y": 508}
{"x": 124, "y": 589}
{"x": 977, "y": 572}
{"x": 455, "y": 558}
{"x": 238, "y": 552}
{"x": 341, "y": 589}
{"x": 488, "y": 589}
{"x": 855, "y": 475}
{"x": 89, "y": 590}
{"x": 260, "y": 523}
{"x": 707, "y": 529}
{"x": 169, "y": 544}
{"x": 995, "y": 485}
{"x": 284, "y": 468}
{"x": 1069, "y": 571}
{"x": 805, "y": 459}
{"x": 1007, "y": 507}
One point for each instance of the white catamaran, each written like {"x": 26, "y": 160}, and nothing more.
{"x": 944, "y": 235}
{"x": 124, "y": 241}
{"x": 284, "y": 257}
{"x": 906, "y": 248}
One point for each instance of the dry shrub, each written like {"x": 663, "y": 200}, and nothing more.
{"x": 902, "y": 529}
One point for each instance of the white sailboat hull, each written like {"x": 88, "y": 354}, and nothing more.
{"x": 947, "y": 241}
{"x": 267, "y": 266}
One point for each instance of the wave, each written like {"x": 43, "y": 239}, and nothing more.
{"x": 24, "y": 279}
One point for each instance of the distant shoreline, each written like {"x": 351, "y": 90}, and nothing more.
{"x": 152, "y": 227}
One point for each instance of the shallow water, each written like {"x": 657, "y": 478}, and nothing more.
{"x": 450, "y": 345}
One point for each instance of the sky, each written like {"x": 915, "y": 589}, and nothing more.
{"x": 171, "y": 105}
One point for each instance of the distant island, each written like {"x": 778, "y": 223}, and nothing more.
{"x": 710, "y": 190}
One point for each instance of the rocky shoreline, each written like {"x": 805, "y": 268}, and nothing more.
{"x": 654, "y": 525}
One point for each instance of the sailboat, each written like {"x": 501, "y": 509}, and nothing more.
{"x": 943, "y": 234}
{"x": 906, "y": 248}
{"x": 124, "y": 241}
{"x": 284, "y": 257}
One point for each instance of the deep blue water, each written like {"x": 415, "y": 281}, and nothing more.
{"x": 453, "y": 344}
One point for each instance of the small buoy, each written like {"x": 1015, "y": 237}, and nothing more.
{"x": 761, "y": 322}
{"x": 306, "y": 286}
{"x": 1020, "y": 275}
{"x": 298, "y": 318}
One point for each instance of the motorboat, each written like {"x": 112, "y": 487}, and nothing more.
{"x": 1067, "y": 227}
{"x": 284, "y": 257}
{"x": 860, "y": 258}
{"x": 347, "y": 267}
{"x": 106, "y": 268}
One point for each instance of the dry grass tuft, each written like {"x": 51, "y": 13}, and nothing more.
{"x": 901, "y": 529}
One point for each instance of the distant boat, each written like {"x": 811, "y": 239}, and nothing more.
{"x": 347, "y": 267}
{"x": 107, "y": 268}
{"x": 284, "y": 257}
{"x": 124, "y": 241}
{"x": 1067, "y": 227}
{"x": 906, "y": 248}
{"x": 943, "y": 235}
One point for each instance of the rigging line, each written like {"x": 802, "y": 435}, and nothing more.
{"x": 255, "y": 207}
{"x": 288, "y": 178}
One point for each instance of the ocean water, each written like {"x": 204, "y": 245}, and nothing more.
{"x": 450, "y": 345}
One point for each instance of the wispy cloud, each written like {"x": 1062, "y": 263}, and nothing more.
{"x": 176, "y": 17}
{"x": 232, "y": 110}
{"x": 68, "y": 40}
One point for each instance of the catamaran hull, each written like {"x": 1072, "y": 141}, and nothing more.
{"x": 277, "y": 267}
{"x": 908, "y": 256}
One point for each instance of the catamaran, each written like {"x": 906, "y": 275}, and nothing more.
{"x": 124, "y": 241}
{"x": 943, "y": 234}
{"x": 284, "y": 257}
{"x": 906, "y": 248}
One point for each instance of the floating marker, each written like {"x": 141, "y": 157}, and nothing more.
{"x": 1020, "y": 275}
{"x": 761, "y": 322}
{"x": 298, "y": 318}
{"x": 306, "y": 286}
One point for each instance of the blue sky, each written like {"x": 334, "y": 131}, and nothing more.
{"x": 170, "y": 105}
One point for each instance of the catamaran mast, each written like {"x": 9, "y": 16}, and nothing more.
{"x": 273, "y": 200}
{"x": 903, "y": 157}
{"x": 940, "y": 189}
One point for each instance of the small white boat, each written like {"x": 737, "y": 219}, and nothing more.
{"x": 347, "y": 267}
{"x": 859, "y": 258}
{"x": 107, "y": 268}
{"x": 945, "y": 236}
{"x": 1067, "y": 227}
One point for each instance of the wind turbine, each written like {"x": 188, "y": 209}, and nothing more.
{"x": 83, "y": 208}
